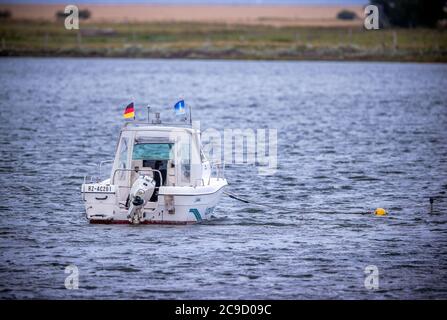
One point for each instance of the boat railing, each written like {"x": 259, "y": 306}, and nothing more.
{"x": 186, "y": 121}
{"x": 90, "y": 180}
{"x": 93, "y": 179}
{"x": 136, "y": 123}
{"x": 112, "y": 182}
{"x": 217, "y": 170}
{"x": 101, "y": 164}
{"x": 96, "y": 178}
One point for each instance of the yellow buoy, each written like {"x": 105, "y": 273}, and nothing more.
{"x": 380, "y": 212}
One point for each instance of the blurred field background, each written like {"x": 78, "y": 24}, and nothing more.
{"x": 293, "y": 32}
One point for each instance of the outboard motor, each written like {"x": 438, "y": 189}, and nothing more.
{"x": 140, "y": 193}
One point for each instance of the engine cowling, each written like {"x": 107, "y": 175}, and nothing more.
{"x": 140, "y": 193}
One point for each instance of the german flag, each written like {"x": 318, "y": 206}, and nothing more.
{"x": 129, "y": 112}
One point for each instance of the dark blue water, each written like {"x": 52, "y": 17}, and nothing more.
{"x": 351, "y": 137}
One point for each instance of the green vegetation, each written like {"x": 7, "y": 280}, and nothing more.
{"x": 346, "y": 15}
{"x": 219, "y": 41}
{"x": 5, "y": 14}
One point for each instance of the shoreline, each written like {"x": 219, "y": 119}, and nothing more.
{"x": 223, "y": 57}
{"x": 163, "y": 40}
{"x": 216, "y": 59}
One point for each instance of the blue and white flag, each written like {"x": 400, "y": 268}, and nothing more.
{"x": 179, "y": 107}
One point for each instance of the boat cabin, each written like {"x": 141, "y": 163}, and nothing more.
{"x": 172, "y": 156}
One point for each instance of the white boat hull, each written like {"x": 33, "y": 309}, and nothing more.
{"x": 175, "y": 205}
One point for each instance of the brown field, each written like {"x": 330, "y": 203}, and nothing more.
{"x": 214, "y": 32}
{"x": 279, "y": 15}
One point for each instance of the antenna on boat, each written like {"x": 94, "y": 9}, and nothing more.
{"x": 148, "y": 113}
{"x": 190, "y": 115}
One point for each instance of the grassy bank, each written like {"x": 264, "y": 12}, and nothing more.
{"x": 219, "y": 41}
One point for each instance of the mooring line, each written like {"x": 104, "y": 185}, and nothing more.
{"x": 286, "y": 209}
{"x": 276, "y": 207}
{"x": 267, "y": 205}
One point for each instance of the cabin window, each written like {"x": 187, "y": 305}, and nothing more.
{"x": 185, "y": 160}
{"x": 122, "y": 163}
{"x": 152, "y": 151}
{"x": 156, "y": 156}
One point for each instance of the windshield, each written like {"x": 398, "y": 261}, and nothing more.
{"x": 152, "y": 151}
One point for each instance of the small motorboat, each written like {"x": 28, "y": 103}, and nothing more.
{"x": 160, "y": 175}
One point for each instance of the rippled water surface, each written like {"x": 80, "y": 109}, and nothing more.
{"x": 351, "y": 137}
